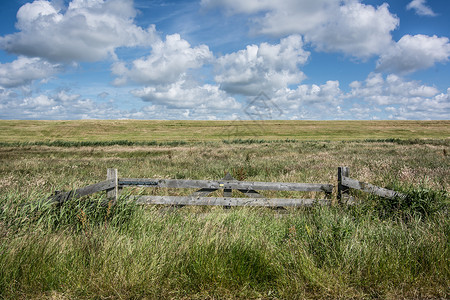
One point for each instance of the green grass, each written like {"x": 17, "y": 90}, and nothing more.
{"x": 210, "y": 253}
{"x": 87, "y": 249}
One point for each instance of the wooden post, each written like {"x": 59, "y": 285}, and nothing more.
{"x": 342, "y": 190}
{"x": 227, "y": 192}
{"x": 113, "y": 193}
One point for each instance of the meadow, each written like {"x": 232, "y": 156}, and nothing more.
{"x": 85, "y": 249}
{"x": 188, "y": 131}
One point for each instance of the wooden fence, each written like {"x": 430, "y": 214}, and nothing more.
{"x": 113, "y": 185}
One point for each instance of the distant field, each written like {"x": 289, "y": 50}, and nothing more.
{"x": 134, "y": 130}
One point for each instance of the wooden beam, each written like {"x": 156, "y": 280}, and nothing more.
{"x": 224, "y": 201}
{"x": 94, "y": 188}
{"x": 87, "y": 190}
{"x": 369, "y": 188}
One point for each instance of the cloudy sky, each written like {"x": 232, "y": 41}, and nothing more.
{"x": 225, "y": 59}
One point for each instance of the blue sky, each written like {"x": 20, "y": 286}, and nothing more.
{"x": 211, "y": 59}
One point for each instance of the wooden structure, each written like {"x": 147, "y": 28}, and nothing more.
{"x": 227, "y": 184}
{"x": 113, "y": 185}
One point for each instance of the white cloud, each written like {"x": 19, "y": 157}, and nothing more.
{"x": 169, "y": 60}
{"x": 421, "y": 8}
{"x": 310, "y": 101}
{"x": 435, "y": 108}
{"x": 402, "y": 99}
{"x": 392, "y": 90}
{"x": 24, "y": 70}
{"x": 376, "y": 97}
{"x": 360, "y": 112}
{"x": 262, "y": 68}
{"x": 59, "y": 106}
{"x": 188, "y": 95}
{"x": 161, "y": 112}
{"x": 168, "y": 84}
{"x": 64, "y": 105}
{"x": 305, "y": 95}
{"x": 42, "y": 101}
{"x": 355, "y": 29}
{"x": 85, "y": 31}
{"x": 412, "y": 53}
{"x": 331, "y": 25}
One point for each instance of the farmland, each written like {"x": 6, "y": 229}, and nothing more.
{"x": 132, "y": 130}
{"x": 378, "y": 249}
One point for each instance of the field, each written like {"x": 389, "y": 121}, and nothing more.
{"x": 378, "y": 249}
{"x": 160, "y": 131}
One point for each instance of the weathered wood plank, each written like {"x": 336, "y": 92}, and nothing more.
{"x": 84, "y": 191}
{"x": 369, "y": 188}
{"x": 94, "y": 188}
{"x": 223, "y": 184}
{"x": 224, "y": 201}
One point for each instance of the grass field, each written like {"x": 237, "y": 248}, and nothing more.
{"x": 132, "y": 130}
{"x": 83, "y": 250}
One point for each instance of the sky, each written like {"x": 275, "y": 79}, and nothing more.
{"x": 225, "y": 59}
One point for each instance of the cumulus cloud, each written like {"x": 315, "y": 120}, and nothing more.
{"x": 305, "y": 95}
{"x": 161, "y": 112}
{"x": 350, "y": 27}
{"x": 310, "y": 101}
{"x": 57, "y": 106}
{"x": 420, "y": 7}
{"x": 262, "y": 68}
{"x": 392, "y": 90}
{"x": 188, "y": 95}
{"x": 434, "y": 108}
{"x": 412, "y": 53}
{"x": 356, "y": 29}
{"x": 402, "y": 99}
{"x": 169, "y": 60}
{"x": 307, "y": 102}
{"x": 84, "y": 31}
{"x": 65, "y": 105}
{"x": 24, "y": 70}
{"x": 376, "y": 97}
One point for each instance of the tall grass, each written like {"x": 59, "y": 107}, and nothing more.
{"x": 75, "y": 214}
{"x": 85, "y": 249}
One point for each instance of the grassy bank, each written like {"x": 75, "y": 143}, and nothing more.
{"x": 85, "y": 250}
